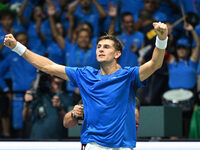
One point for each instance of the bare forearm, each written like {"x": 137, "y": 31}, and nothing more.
{"x": 27, "y": 113}
{"x": 151, "y": 66}
{"x": 196, "y": 38}
{"x": 111, "y": 29}
{"x": 69, "y": 122}
{"x": 100, "y": 9}
{"x": 72, "y": 6}
{"x": 157, "y": 58}
{"x": 196, "y": 49}
{"x": 58, "y": 38}
{"x": 40, "y": 62}
{"x": 46, "y": 65}
{"x": 38, "y": 31}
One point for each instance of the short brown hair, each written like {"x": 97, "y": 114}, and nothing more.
{"x": 117, "y": 43}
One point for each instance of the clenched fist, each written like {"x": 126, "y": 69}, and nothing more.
{"x": 10, "y": 41}
{"x": 161, "y": 30}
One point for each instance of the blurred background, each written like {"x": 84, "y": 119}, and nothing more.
{"x": 33, "y": 104}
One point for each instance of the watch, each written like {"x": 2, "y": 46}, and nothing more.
{"x": 73, "y": 115}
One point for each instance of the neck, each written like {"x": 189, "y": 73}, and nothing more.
{"x": 129, "y": 32}
{"x": 107, "y": 69}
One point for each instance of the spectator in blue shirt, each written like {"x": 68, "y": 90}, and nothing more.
{"x": 7, "y": 21}
{"x": 183, "y": 71}
{"x": 84, "y": 10}
{"x": 22, "y": 75}
{"x": 183, "y": 67}
{"x": 132, "y": 41}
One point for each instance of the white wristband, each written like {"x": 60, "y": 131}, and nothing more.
{"x": 161, "y": 44}
{"x": 19, "y": 49}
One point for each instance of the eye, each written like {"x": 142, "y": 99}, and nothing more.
{"x": 98, "y": 46}
{"x": 106, "y": 46}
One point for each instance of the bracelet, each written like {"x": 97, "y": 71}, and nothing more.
{"x": 161, "y": 44}
{"x": 73, "y": 116}
{"x": 19, "y": 49}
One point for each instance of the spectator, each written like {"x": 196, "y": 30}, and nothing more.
{"x": 7, "y": 21}
{"x": 47, "y": 110}
{"x": 22, "y": 75}
{"x": 183, "y": 68}
{"x": 132, "y": 41}
{"x": 56, "y": 48}
{"x": 84, "y": 10}
{"x": 81, "y": 54}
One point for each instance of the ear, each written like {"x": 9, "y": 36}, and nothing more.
{"x": 117, "y": 54}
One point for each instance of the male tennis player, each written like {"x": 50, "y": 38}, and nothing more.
{"x": 108, "y": 94}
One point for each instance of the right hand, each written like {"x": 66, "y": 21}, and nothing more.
{"x": 10, "y": 41}
{"x": 51, "y": 10}
{"x": 112, "y": 10}
{"x": 28, "y": 97}
{"x": 78, "y": 111}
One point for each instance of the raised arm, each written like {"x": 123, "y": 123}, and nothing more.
{"x": 21, "y": 11}
{"x": 100, "y": 9}
{"x": 156, "y": 61}
{"x": 195, "y": 51}
{"x": 42, "y": 63}
{"x": 56, "y": 35}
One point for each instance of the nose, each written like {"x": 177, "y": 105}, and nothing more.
{"x": 100, "y": 50}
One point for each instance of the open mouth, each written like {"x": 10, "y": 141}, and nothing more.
{"x": 101, "y": 55}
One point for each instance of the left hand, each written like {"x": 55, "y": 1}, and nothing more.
{"x": 56, "y": 101}
{"x": 161, "y": 30}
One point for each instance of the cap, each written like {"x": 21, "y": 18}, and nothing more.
{"x": 183, "y": 42}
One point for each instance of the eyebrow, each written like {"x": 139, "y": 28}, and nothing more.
{"x": 107, "y": 45}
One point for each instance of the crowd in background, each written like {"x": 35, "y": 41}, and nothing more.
{"x": 33, "y": 103}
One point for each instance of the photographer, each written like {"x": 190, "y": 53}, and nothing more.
{"x": 46, "y": 109}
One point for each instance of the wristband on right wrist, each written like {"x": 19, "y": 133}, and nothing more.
{"x": 161, "y": 44}
{"x": 19, "y": 49}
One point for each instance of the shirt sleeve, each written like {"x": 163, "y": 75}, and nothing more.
{"x": 136, "y": 79}
{"x": 72, "y": 75}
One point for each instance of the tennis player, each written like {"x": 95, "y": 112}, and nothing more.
{"x": 109, "y": 93}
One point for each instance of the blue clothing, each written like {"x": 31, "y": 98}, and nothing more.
{"x": 132, "y": 6}
{"x": 76, "y": 57}
{"x": 34, "y": 40}
{"x": 187, "y": 5}
{"x": 6, "y": 51}
{"x": 128, "y": 57}
{"x": 56, "y": 54}
{"x": 109, "y": 105}
{"x": 182, "y": 74}
{"x": 46, "y": 30}
{"x": 92, "y": 18}
{"x": 22, "y": 72}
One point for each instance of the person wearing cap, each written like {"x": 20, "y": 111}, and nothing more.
{"x": 182, "y": 70}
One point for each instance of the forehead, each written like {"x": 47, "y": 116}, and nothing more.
{"x": 106, "y": 42}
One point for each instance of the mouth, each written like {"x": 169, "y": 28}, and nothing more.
{"x": 101, "y": 55}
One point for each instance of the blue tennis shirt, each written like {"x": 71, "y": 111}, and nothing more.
{"x": 109, "y": 105}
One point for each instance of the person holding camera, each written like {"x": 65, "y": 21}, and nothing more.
{"x": 46, "y": 109}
